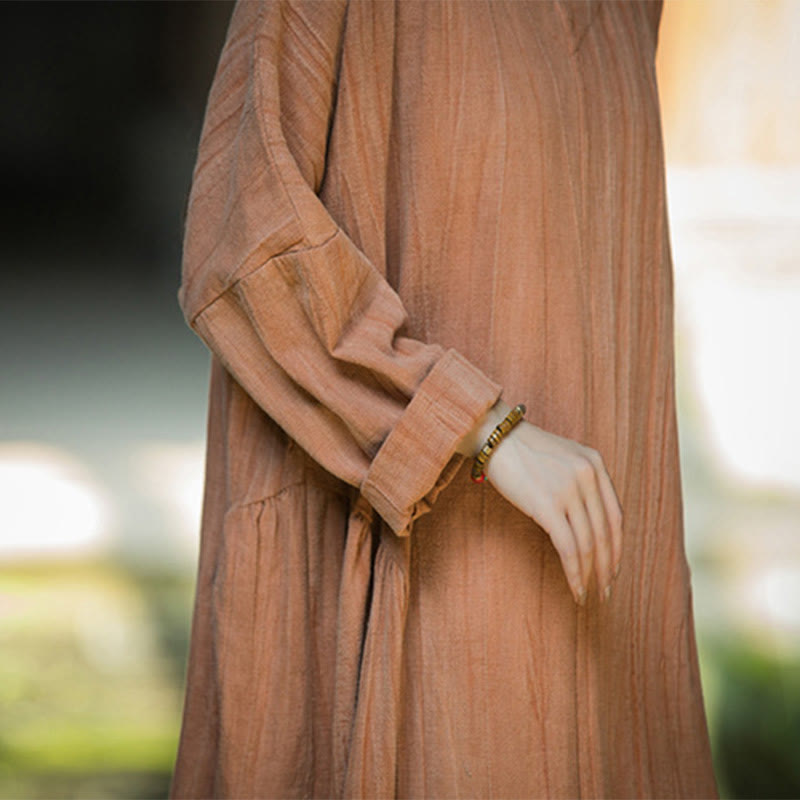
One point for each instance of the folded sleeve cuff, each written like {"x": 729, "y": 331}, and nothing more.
{"x": 418, "y": 458}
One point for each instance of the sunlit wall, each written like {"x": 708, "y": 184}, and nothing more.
{"x": 730, "y": 100}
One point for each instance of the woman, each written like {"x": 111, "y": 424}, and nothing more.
{"x": 407, "y": 217}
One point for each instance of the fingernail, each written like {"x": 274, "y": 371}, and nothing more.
{"x": 607, "y": 592}
{"x": 582, "y": 597}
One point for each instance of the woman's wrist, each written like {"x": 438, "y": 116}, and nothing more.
{"x": 471, "y": 444}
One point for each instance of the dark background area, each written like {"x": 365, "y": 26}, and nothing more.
{"x": 102, "y": 104}
{"x": 102, "y": 108}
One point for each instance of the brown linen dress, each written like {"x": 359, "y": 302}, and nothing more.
{"x": 399, "y": 212}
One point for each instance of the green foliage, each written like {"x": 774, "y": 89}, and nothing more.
{"x": 756, "y": 726}
{"x": 90, "y": 681}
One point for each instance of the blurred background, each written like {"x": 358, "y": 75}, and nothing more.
{"x": 103, "y": 386}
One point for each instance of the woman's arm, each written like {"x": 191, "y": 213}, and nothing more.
{"x": 287, "y": 301}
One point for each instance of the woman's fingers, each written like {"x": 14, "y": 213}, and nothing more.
{"x": 602, "y": 542}
{"x": 587, "y": 515}
{"x": 587, "y": 470}
{"x": 582, "y": 532}
{"x": 563, "y": 538}
{"x": 613, "y": 511}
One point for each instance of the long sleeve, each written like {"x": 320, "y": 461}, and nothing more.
{"x": 279, "y": 292}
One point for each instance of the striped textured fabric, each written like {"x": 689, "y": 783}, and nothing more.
{"x": 401, "y": 211}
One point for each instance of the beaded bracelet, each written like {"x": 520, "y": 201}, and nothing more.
{"x": 511, "y": 419}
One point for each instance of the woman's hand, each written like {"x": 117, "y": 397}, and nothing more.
{"x": 565, "y": 487}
